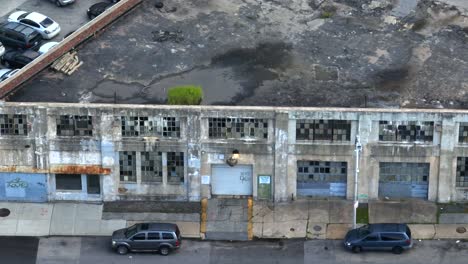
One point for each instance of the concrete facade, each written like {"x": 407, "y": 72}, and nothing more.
{"x": 275, "y": 153}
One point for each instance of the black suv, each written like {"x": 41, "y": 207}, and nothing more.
{"x": 18, "y": 59}
{"x": 21, "y": 36}
{"x": 162, "y": 237}
{"x": 396, "y": 237}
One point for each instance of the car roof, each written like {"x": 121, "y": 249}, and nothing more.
{"x": 157, "y": 227}
{"x": 387, "y": 227}
{"x": 26, "y": 30}
{"x": 37, "y": 17}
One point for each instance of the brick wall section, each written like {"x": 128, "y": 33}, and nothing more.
{"x": 66, "y": 45}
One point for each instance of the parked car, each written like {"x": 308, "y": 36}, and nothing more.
{"x": 2, "y": 49}
{"x": 162, "y": 237}
{"x": 62, "y": 2}
{"x": 7, "y": 73}
{"x": 396, "y": 237}
{"x": 18, "y": 59}
{"x": 18, "y": 35}
{"x": 47, "y": 27}
{"x": 99, "y": 8}
{"x": 47, "y": 46}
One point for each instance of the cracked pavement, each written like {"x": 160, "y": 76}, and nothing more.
{"x": 343, "y": 53}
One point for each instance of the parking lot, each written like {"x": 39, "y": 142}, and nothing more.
{"x": 70, "y": 17}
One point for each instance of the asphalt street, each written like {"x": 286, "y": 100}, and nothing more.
{"x": 21, "y": 250}
{"x": 54, "y": 250}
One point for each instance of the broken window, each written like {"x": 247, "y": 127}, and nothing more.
{"x": 68, "y": 182}
{"x": 93, "y": 184}
{"x": 462, "y": 172}
{"x": 236, "y": 128}
{"x": 13, "y": 125}
{"x": 463, "y": 133}
{"x": 150, "y": 126}
{"x": 175, "y": 167}
{"x": 151, "y": 167}
{"x": 321, "y": 171}
{"x": 127, "y": 162}
{"x": 331, "y": 130}
{"x": 407, "y": 131}
{"x": 69, "y": 125}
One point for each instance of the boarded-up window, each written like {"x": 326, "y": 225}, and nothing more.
{"x": 330, "y": 130}
{"x": 127, "y": 162}
{"x": 69, "y": 182}
{"x": 237, "y": 128}
{"x": 406, "y": 131}
{"x": 175, "y": 167}
{"x": 13, "y": 125}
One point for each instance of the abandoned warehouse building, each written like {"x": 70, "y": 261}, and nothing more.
{"x": 53, "y": 152}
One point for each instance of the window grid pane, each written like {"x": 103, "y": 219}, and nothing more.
{"x": 404, "y": 172}
{"x": 236, "y": 128}
{"x": 13, "y": 125}
{"x": 406, "y": 131}
{"x": 462, "y": 172}
{"x": 68, "y": 125}
{"x": 127, "y": 164}
{"x": 321, "y": 171}
{"x": 330, "y": 130}
{"x": 151, "y": 167}
{"x": 175, "y": 167}
{"x": 150, "y": 126}
{"x": 463, "y": 133}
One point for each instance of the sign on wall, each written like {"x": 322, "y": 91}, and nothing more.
{"x": 23, "y": 187}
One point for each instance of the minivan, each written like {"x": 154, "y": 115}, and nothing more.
{"x": 21, "y": 36}
{"x": 162, "y": 237}
{"x": 395, "y": 237}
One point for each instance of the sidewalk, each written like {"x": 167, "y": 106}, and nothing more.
{"x": 44, "y": 219}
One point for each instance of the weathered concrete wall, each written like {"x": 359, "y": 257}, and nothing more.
{"x": 42, "y": 151}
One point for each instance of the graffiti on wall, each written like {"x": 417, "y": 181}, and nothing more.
{"x": 23, "y": 187}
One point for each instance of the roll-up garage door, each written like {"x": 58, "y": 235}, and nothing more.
{"x": 228, "y": 180}
{"x": 403, "y": 180}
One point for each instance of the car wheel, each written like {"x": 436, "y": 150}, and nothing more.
{"x": 397, "y": 250}
{"x": 164, "y": 251}
{"x": 122, "y": 250}
{"x": 357, "y": 249}
{"x": 57, "y": 3}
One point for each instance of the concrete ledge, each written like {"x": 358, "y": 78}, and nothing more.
{"x": 422, "y": 231}
{"x": 337, "y": 231}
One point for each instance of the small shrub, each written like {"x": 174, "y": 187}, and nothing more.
{"x": 326, "y": 14}
{"x": 328, "y": 11}
{"x": 185, "y": 95}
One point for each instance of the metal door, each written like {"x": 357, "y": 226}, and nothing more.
{"x": 403, "y": 180}
{"x": 23, "y": 187}
{"x": 228, "y": 180}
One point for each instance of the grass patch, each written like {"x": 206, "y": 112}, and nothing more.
{"x": 185, "y": 95}
{"x": 362, "y": 215}
{"x": 326, "y": 14}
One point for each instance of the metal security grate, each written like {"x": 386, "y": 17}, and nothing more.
{"x": 151, "y": 167}
{"x": 175, "y": 166}
{"x": 406, "y": 131}
{"x": 13, "y": 125}
{"x": 235, "y": 128}
{"x": 150, "y": 126}
{"x": 331, "y": 130}
{"x": 68, "y": 125}
{"x": 127, "y": 162}
{"x": 462, "y": 172}
{"x": 404, "y": 172}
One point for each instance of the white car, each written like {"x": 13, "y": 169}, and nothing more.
{"x": 7, "y": 73}
{"x": 47, "y": 27}
{"x": 2, "y": 49}
{"x": 47, "y": 46}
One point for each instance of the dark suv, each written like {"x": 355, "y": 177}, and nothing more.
{"x": 21, "y": 36}
{"x": 162, "y": 237}
{"x": 396, "y": 237}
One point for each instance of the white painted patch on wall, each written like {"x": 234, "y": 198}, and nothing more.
{"x": 82, "y": 158}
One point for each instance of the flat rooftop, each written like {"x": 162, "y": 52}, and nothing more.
{"x": 342, "y": 53}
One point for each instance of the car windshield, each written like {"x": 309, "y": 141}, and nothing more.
{"x": 47, "y": 22}
{"x": 23, "y": 16}
{"x": 131, "y": 231}
{"x": 363, "y": 231}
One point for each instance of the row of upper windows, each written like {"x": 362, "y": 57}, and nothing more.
{"x": 234, "y": 128}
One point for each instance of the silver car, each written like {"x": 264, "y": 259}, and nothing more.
{"x": 62, "y": 2}
{"x": 7, "y": 73}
